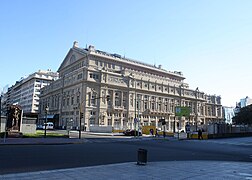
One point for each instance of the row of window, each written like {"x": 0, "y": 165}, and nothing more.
{"x": 104, "y": 64}
{"x": 94, "y": 76}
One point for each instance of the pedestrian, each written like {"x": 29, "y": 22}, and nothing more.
{"x": 200, "y": 134}
{"x": 156, "y": 134}
{"x": 151, "y": 132}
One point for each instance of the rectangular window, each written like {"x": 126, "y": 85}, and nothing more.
{"x": 93, "y": 99}
{"x": 64, "y": 102}
{"x": 92, "y": 121}
{"x": 94, "y": 76}
{"x": 68, "y": 101}
{"x": 145, "y": 105}
{"x": 153, "y": 106}
{"x": 79, "y": 76}
{"x": 72, "y": 100}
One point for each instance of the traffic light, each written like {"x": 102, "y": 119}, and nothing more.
{"x": 81, "y": 115}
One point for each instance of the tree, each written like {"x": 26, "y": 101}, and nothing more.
{"x": 244, "y": 116}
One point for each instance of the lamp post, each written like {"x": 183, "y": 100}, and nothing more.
{"x": 138, "y": 114}
{"x": 81, "y": 115}
{"x": 69, "y": 126}
{"x": 135, "y": 119}
{"x": 46, "y": 111}
{"x": 196, "y": 108}
{"x": 1, "y": 108}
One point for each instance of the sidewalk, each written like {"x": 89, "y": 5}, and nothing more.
{"x": 196, "y": 170}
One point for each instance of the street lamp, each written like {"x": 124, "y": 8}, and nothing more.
{"x": 135, "y": 119}
{"x": 1, "y": 108}
{"x": 46, "y": 111}
{"x": 180, "y": 101}
{"x": 196, "y": 108}
{"x": 69, "y": 123}
{"x": 137, "y": 109}
{"x": 81, "y": 116}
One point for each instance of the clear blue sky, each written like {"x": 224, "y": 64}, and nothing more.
{"x": 209, "y": 41}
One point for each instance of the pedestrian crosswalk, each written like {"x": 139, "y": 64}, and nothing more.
{"x": 109, "y": 140}
{"x": 246, "y": 141}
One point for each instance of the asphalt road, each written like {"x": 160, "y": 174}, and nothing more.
{"x": 25, "y": 158}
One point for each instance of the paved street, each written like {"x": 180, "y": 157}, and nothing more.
{"x": 60, "y": 153}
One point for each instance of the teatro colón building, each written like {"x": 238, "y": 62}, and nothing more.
{"x": 100, "y": 89}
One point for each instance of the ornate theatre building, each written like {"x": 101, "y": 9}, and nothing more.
{"x": 104, "y": 89}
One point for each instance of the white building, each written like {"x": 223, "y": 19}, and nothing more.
{"x": 229, "y": 113}
{"x": 136, "y": 90}
{"x": 26, "y": 92}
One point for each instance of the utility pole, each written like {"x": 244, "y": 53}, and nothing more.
{"x": 196, "y": 107}
{"x": 135, "y": 119}
{"x": 1, "y": 108}
{"x": 138, "y": 120}
{"x": 46, "y": 111}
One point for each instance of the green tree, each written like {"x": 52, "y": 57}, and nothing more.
{"x": 244, "y": 116}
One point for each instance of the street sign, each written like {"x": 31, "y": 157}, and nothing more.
{"x": 187, "y": 127}
{"x": 182, "y": 111}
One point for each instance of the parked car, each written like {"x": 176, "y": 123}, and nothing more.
{"x": 39, "y": 126}
{"x": 131, "y": 132}
{"x": 49, "y": 125}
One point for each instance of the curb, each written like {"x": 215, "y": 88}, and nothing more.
{"x": 21, "y": 144}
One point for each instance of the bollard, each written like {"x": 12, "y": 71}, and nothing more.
{"x": 141, "y": 157}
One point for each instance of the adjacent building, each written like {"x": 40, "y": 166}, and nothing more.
{"x": 108, "y": 89}
{"x": 243, "y": 103}
{"x": 228, "y": 114}
{"x": 26, "y": 92}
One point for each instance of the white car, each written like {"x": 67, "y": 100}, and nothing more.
{"x": 49, "y": 125}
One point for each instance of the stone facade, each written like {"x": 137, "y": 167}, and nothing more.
{"x": 111, "y": 90}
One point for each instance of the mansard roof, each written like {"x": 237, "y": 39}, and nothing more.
{"x": 75, "y": 50}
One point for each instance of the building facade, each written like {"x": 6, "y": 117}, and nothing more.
{"x": 228, "y": 114}
{"x": 111, "y": 90}
{"x": 245, "y": 102}
{"x": 26, "y": 92}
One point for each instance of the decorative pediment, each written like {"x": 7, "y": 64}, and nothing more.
{"x": 74, "y": 54}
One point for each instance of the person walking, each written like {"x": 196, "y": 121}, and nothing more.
{"x": 156, "y": 134}
{"x": 151, "y": 132}
{"x": 200, "y": 137}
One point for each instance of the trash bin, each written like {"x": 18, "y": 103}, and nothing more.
{"x": 141, "y": 156}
